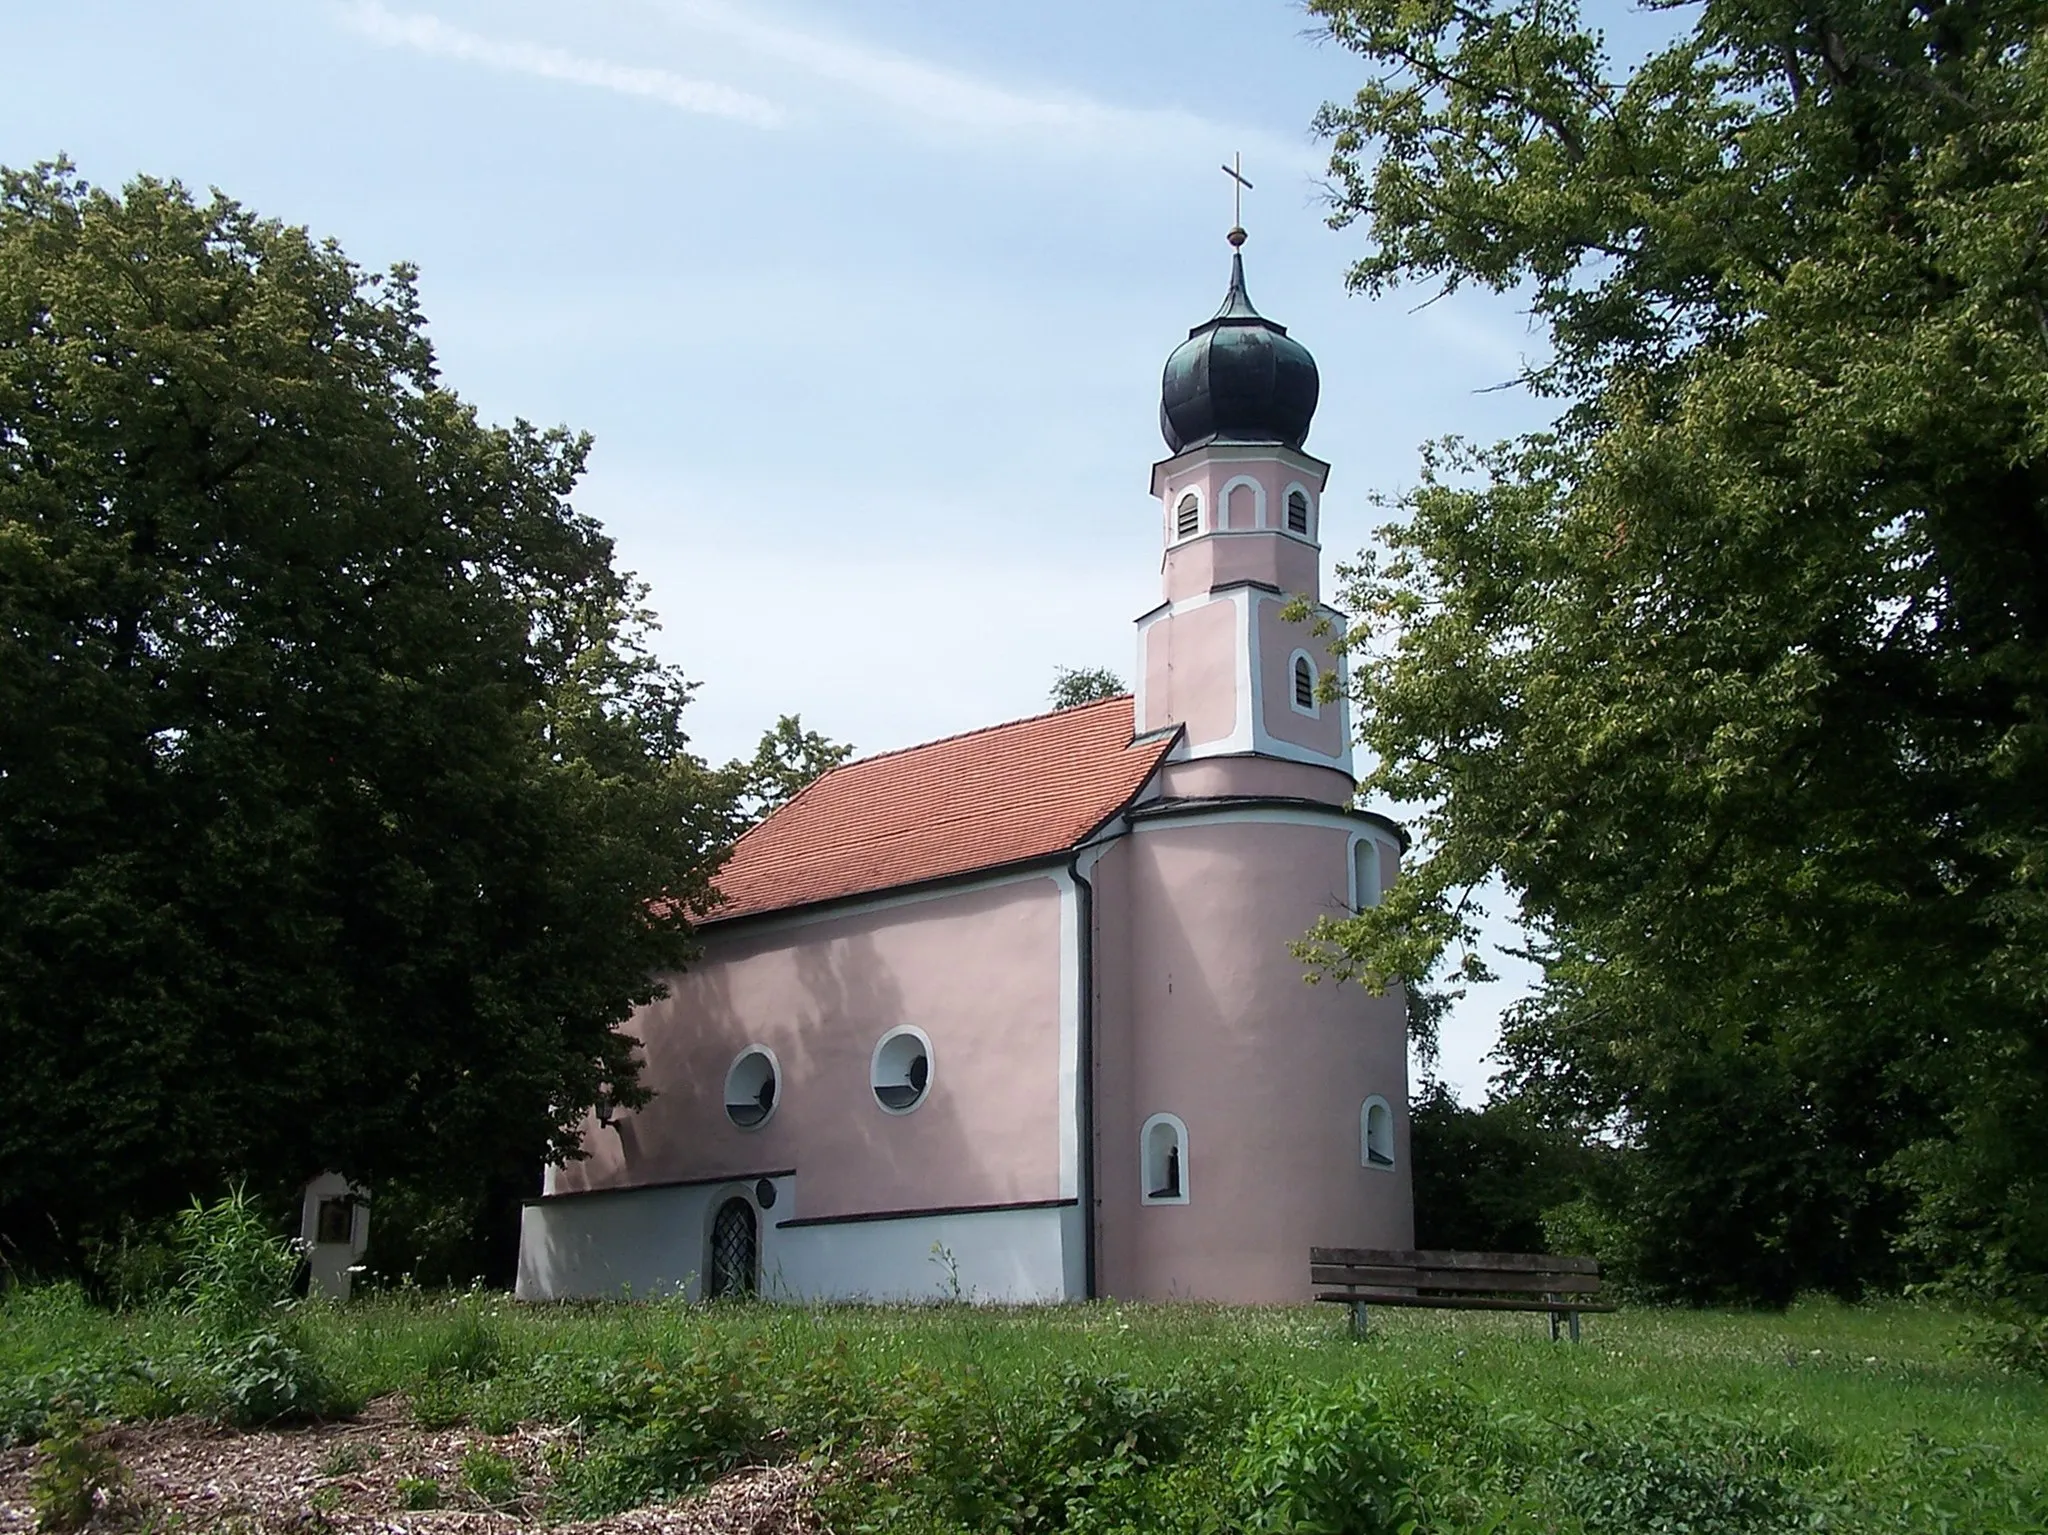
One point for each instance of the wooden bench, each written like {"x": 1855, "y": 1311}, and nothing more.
{"x": 1368, "y": 1276}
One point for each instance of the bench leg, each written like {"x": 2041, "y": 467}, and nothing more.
{"x": 1575, "y": 1326}
{"x": 1358, "y": 1319}
{"x": 1555, "y": 1318}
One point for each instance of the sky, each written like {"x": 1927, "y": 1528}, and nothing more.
{"x": 864, "y": 303}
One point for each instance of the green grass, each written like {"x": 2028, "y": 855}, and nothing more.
{"x": 1109, "y": 1417}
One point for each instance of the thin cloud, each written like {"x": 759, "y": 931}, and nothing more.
{"x": 955, "y": 99}
{"x": 431, "y": 35}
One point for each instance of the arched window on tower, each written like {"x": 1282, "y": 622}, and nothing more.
{"x": 1297, "y": 512}
{"x": 1304, "y": 684}
{"x": 1365, "y": 873}
{"x": 1163, "y": 1161}
{"x": 1187, "y": 517}
{"x": 1376, "y": 1134}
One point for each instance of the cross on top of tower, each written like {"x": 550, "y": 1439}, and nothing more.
{"x": 1235, "y": 171}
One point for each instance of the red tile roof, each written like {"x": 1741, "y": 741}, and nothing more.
{"x": 1011, "y": 792}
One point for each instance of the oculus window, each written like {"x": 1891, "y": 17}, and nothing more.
{"x": 901, "y": 1071}
{"x": 751, "y": 1085}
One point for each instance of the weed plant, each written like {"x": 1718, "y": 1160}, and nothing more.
{"x": 73, "y": 1473}
{"x": 1104, "y": 1419}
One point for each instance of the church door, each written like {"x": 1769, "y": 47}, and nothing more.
{"x": 734, "y": 1250}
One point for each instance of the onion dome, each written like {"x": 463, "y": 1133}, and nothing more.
{"x": 1239, "y": 378}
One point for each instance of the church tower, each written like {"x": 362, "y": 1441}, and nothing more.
{"x": 1238, "y": 1116}
{"x": 1240, "y": 525}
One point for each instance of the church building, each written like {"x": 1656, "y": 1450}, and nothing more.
{"x": 1012, "y": 1016}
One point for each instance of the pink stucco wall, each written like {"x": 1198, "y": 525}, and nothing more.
{"x": 1203, "y": 1014}
{"x": 1191, "y": 672}
{"x": 1207, "y": 777}
{"x": 1192, "y": 568}
{"x": 977, "y": 970}
{"x": 1278, "y": 640}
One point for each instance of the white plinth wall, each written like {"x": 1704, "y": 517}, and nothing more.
{"x": 647, "y": 1243}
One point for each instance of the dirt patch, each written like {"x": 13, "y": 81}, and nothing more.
{"x": 186, "y": 1474}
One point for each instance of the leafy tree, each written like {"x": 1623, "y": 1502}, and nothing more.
{"x": 1074, "y": 686}
{"x": 1485, "y": 1177}
{"x": 344, "y": 814}
{"x": 1737, "y": 676}
{"x": 788, "y": 758}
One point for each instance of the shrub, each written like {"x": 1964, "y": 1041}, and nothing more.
{"x": 235, "y": 1271}
{"x": 265, "y": 1377}
{"x": 1664, "y": 1473}
{"x": 236, "y": 1283}
{"x": 72, "y": 1474}
{"x": 1027, "y": 1454}
{"x": 659, "y": 1429}
{"x": 1326, "y": 1460}
{"x": 469, "y": 1345}
{"x": 418, "y": 1492}
{"x": 491, "y": 1478}
{"x": 2016, "y": 1343}
{"x": 438, "y": 1402}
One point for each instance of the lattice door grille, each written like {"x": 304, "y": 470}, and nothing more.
{"x": 733, "y": 1249}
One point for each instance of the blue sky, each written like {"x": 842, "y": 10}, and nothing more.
{"x": 864, "y": 303}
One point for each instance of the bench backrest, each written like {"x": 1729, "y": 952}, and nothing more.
{"x": 1516, "y": 1273}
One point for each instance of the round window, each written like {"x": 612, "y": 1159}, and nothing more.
{"x": 901, "y": 1072}
{"x": 750, "y": 1087}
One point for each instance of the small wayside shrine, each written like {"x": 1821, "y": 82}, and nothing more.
{"x": 1012, "y": 1016}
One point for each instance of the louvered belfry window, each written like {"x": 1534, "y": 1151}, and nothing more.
{"x": 1187, "y": 518}
{"x": 1297, "y": 513}
{"x": 1304, "y": 683}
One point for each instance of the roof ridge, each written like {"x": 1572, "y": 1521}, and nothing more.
{"x": 979, "y": 730}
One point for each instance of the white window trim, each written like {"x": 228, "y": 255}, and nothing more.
{"x": 775, "y": 1073}
{"x": 1315, "y": 683}
{"x": 931, "y": 1069}
{"x": 1365, "y": 1135}
{"x": 1173, "y": 501}
{"x": 1360, "y": 899}
{"x": 1310, "y": 496}
{"x": 1258, "y": 502}
{"x": 699, "y": 1284}
{"x": 1180, "y": 1130}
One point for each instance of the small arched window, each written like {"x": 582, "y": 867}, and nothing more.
{"x": 901, "y": 1071}
{"x": 1376, "y": 1134}
{"x": 1304, "y": 684}
{"x": 1163, "y": 1161}
{"x": 1187, "y": 517}
{"x": 751, "y": 1083}
{"x": 1365, "y": 873}
{"x": 1297, "y": 512}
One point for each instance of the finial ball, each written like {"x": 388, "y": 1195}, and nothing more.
{"x": 1236, "y": 237}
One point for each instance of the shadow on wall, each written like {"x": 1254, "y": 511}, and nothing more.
{"x": 820, "y": 996}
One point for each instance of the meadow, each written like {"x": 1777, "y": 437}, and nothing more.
{"x": 1108, "y": 1417}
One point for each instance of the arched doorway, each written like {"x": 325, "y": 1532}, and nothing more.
{"x": 735, "y": 1251}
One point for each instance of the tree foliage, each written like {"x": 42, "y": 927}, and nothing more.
{"x": 788, "y": 758}
{"x": 1737, "y": 677}
{"x": 1485, "y": 1177}
{"x": 1073, "y": 686}
{"x": 337, "y": 783}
